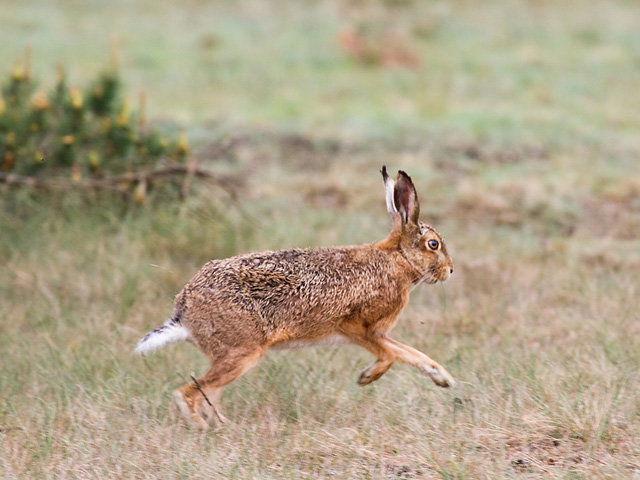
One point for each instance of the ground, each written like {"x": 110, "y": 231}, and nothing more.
{"x": 518, "y": 122}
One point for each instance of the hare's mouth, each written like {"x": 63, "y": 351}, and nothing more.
{"x": 440, "y": 275}
{"x": 429, "y": 278}
{"x": 444, "y": 276}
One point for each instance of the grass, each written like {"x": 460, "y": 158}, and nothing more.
{"x": 519, "y": 128}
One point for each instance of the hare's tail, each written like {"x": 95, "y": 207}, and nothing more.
{"x": 172, "y": 331}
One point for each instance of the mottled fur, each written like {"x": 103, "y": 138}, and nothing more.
{"x": 236, "y": 308}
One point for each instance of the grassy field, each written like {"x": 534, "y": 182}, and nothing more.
{"x": 519, "y": 123}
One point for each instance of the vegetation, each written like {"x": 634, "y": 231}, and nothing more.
{"x": 518, "y": 124}
{"x": 55, "y": 140}
{"x": 43, "y": 130}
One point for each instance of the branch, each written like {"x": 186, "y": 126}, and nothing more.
{"x": 119, "y": 182}
{"x": 220, "y": 417}
{"x": 195, "y": 380}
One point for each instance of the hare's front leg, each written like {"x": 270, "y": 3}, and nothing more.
{"x": 385, "y": 356}
{"x": 374, "y": 371}
{"x": 415, "y": 358}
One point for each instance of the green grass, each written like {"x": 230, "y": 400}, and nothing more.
{"x": 492, "y": 68}
{"x": 519, "y": 129}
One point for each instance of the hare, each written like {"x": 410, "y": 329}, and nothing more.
{"x": 235, "y": 309}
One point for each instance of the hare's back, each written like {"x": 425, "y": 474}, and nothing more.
{"x": 293, "y": 285}
{"x": 296, "y": 271}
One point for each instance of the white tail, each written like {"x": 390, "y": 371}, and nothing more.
{"x": 172, "y": 331}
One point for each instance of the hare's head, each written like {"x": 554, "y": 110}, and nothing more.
{"x": 420, "y": 244}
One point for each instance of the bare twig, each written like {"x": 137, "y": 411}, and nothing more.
{"x": 9, "y": 429}
{"x": 119, "y": 182}
{"x": 217, "y": 412}
{"x": 195, "y": 380}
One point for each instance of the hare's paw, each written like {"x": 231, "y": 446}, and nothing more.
{"x": 188, "y": 410}
{"x": 368, "y": 376}
{"x": 439, "y": 375}
{"x": 373, "y": 372}
{"x": 211, "y": 413}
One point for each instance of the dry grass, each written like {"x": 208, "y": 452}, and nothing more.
{"x": 532, "y": 181}
{"x": 539, "y": 325}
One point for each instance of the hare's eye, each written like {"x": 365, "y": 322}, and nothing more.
{"x": 433, "y": 244}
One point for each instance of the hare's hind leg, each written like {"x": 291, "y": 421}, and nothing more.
{"x": 197, "y": 409}
{"x": 224, "y": 369}
{"x": 185, "y": 399}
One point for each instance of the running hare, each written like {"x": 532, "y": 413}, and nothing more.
{"x": 237, "y": 308}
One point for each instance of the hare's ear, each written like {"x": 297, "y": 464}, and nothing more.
{"x": 389, "y": 185}
{"x": 405, "y": 198}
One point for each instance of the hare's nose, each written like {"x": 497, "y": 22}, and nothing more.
{"x": 451, "y": 270}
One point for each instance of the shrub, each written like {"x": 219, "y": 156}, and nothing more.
{"x": 76, "y": 135}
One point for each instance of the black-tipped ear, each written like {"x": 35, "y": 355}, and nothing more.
{"x": 405, "y": 198}
{"x": 389, "y": 185}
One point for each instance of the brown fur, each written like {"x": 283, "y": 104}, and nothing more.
{"x": 237, "y": 308}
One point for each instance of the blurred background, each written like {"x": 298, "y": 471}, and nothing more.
{"x": 519, "y": 123}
